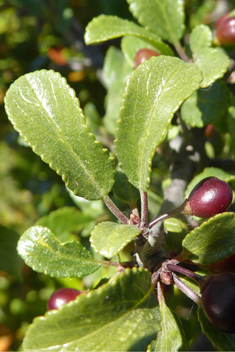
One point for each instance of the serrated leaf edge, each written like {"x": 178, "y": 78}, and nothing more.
{"x": 167, "y": 126}
{"x": 204, "y": 224}
{"x": 96, "y": 292}
{"x": 91, "y": 135}
{"x": 150, "y": 36}
{"x": 46, "y": 272}
{"x": 120, "y": 248}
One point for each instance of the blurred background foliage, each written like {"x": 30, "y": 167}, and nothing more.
{"x": 48, "y": 34}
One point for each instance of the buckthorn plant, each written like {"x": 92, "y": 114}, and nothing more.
{"x": 143, "y": 249}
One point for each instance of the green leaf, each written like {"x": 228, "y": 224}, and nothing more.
{"x": 130, "y": 45}
{"x": 64, "y": 221}
{"x": 104, "y": 28}
{"x": 173, "y": 225}
{"x": 230, "y": 117}
{"x": 116, "y": 72}
{"x": 108, "y": 238}
{"x": 44, "y": 109}
{"x": 205, "y": 106}
{"x": 154, "y": 92}
{"x": 124, "y": 190}
{"x": 163, "y": 17}
{"x": 41, "y": 250}
{"x": 212, "y": 62}
{"x": 200, "y": 38}
{"x": 118, "y": 316}
{"x": 208, "y": 172}
{"x": 212, "y": 241}
{"x": 94, "y": 208}
{"x": 221, "y": 340}
{"x": 9, "y": 258}
{"x": 171, "y": 337}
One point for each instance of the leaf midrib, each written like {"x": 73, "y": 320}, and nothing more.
{"x": 60, "y": 135}
{"x": 142, "y": 152}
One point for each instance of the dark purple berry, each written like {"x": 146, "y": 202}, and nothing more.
{"x": 142, "y": 55}
{"x": 225, "y": 34}
{"x": 61, "y": 297}
{"x": 218, "y": 301}
{"x": 209, "y": 197}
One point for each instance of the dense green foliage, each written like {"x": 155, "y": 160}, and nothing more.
{"x": 92, "y": 151}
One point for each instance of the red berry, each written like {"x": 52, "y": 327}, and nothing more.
{"x": 218, "y": 301}
{"x": 142, "y": 55}
{"x": 220, "y": 20}
{"x": 61, "y": 297}
{"x": 209, "y": 197}
{"x": 225, "y": 34}
{"x": 209, "y": 130}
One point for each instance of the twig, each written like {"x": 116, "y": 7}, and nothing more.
{"x": 186, "y": 272}
{"x": 185, "y": 289}
{"x": 115, "y": 210}
{"x": 181, "y": 52}
{"x": 144, "y": 207}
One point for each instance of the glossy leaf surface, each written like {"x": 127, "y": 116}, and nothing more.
{"x": 205, "y": 106}
{"x": 44, "y": 253}
{"x": 10, "y": 261}
{"x": 213, "y": 240}
{"x": 108, "y": 238}
{"x": 125, "y": 305}
{"x": 213, "y": 62}
{"x": 163, "y": 17}
{"x": 116, "y": 72}
{"x": 44, "y": 109}
{"x": 104, "y": 28}
{"x": 223, "y": 341}
{"x": 154, "y": 92}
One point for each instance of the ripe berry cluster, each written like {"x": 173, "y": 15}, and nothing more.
{"x": 209, "y": 197}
